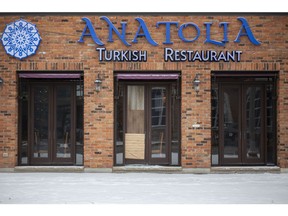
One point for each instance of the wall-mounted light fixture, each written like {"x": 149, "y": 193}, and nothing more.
{"x": 196, "y": 83}
{"x": 98, "y": 83}
{"x": 1, "y": 81}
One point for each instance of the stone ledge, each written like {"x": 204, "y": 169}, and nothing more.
{"x": 49, "y": 169}
{"x": 284, "y": 170}
{"x": 97, "y": 170}
{"x": 196, "y": 170}
{"x": 246, "y": 169}
{"x": 2, "y": 170}
{"x": 144, "y": 168}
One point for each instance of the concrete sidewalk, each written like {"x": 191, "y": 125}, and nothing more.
{"x": 143, "y": 188}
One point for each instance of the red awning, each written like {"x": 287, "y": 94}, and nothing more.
{"x": 147, "y": 76}
{"x": 50, "y": 75}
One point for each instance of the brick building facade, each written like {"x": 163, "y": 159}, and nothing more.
{"x": 147, "y": 110}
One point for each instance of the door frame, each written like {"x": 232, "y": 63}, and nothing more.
{"x": 246, "y": 79}
{"x": 52, "y": 115}
{"x": 147, "y": 105}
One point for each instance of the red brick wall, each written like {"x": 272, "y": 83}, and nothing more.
{"x": 60, "y": 51}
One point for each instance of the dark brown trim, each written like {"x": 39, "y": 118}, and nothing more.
{"x": 227, "y": 74}
{"x": 52, "y": 85}
{"x": 148, "y": 84}
{"x": 242, "y": 83}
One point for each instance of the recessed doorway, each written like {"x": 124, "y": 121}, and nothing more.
{"x": 244, "y": 120}
{"x": 148, "y": 122}
{"x": 51, "y": 121}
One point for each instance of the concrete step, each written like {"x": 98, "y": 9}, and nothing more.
{"x": 49, "y": 169}
{"x": 146, "y": 168}
{"x": 246, "y": 169}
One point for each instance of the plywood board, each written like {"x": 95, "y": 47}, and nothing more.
{"x": 135, "y": 146}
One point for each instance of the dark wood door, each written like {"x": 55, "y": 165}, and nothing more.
{"x": 147, "y": 124}
{"x": 241, "y": 124}
{"x": 52, "y": 123}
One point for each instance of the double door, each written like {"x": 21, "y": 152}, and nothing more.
{"x": 242, "y": 133}
{"x": 147, "y": 137}
{"x": 52, "y": 123}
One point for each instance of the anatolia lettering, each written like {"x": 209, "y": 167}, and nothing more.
{"x": 143, "y": 31}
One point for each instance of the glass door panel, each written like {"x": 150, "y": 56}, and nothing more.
{"x": 119, "y": 126}
{"x": 175, "y": 125}
{"x": 215, "y": 124}
{"x": 41, "y": 122}
{"x": 270, "y": 112}
{"x": 158, "y": 122}
{"x": 253, "y": 123}
{"x": 231, "y": 123}
{"x": 63, "y": 121}
{"x": 79, "y": 136}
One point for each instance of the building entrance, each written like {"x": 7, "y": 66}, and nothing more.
{"x": 51, "y": 128}
{"x": 243, "y": 121}
{"x": 148, "y": 123}
{"x": 51, "y": 122}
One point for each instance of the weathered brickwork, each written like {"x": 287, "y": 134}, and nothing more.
{"x": 60, "y": 51}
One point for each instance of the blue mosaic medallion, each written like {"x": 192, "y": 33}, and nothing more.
{"x": 20, "y": 39}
